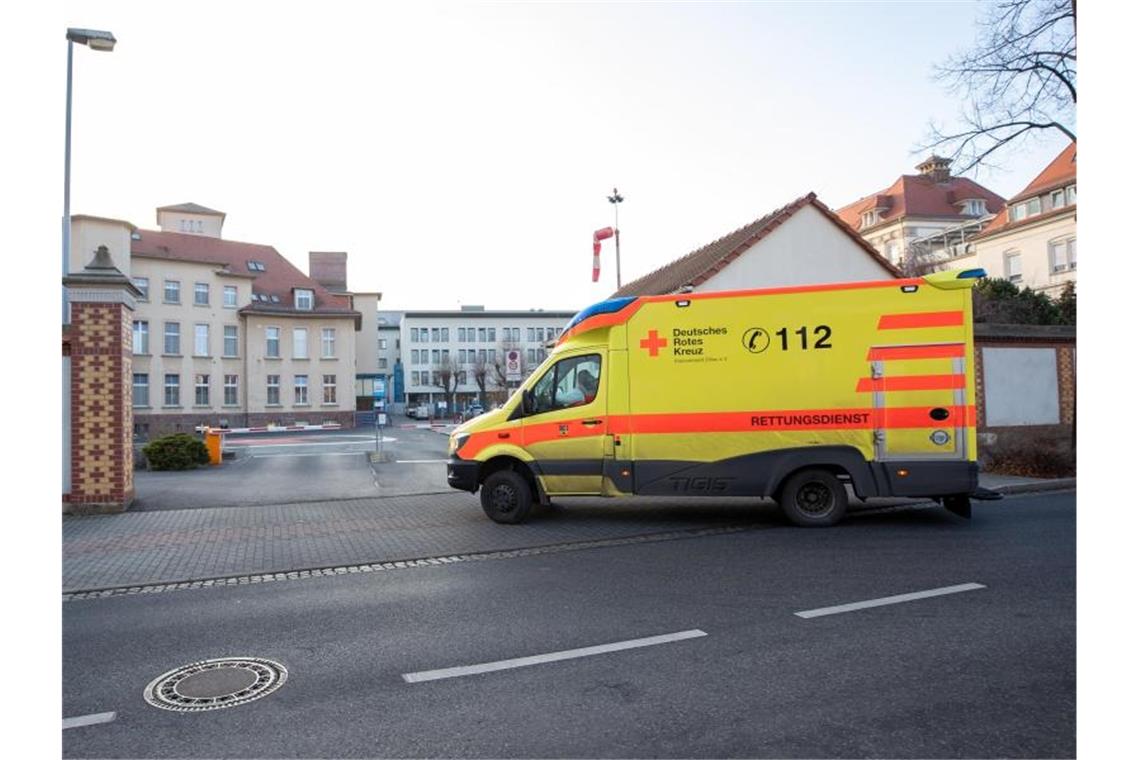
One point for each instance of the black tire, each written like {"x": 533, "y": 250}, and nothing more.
{"x": 507, "y": 497}
{"x": 813, "y": 499}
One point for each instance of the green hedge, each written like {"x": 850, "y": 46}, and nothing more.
{"x": 176, "y": 452}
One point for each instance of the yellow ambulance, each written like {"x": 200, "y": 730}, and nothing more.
{"x": 791, "y": 393}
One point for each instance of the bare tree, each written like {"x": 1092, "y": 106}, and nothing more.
{"x": 449, "y": 380}
{"x": 1019, "y": 78}
{"x": 484, "y": 375}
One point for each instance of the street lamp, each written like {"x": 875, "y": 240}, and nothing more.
{"x": 96, "y": 40}
{"x": 616, "y": 199}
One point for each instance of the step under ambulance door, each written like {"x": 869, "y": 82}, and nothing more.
{"x": 919, "y": 400}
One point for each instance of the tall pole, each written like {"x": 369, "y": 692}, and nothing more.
{"x": 615, "y": 199}
{"x": 67, "y": 185}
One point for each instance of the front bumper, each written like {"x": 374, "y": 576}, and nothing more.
{"x": 463, "y": 475}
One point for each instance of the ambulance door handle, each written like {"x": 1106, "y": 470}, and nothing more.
{"x": 591, "y": 423}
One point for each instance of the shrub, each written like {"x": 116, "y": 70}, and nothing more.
{"x": 176, "y": 452}
{"x": 1038, "y": 459}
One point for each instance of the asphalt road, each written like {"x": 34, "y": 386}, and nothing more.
{"x": 988, "y": 672}
{"x": 306, "y": 466}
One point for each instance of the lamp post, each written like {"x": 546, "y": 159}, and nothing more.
{"x": 616, "y": 199}
{"x": 96, "y": 40}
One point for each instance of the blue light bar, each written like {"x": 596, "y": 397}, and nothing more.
{"x": 966, "y": 274}
{"x": 602, "y": 307}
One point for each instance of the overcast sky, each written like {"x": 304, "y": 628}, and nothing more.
{"x": 462, "y": 153}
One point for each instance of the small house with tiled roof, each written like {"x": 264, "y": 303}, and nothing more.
{"x": 801, "y": 243}
{"x": 926, "y": 219}
{"x": 1033, "y": 241}
{"x": 227, "y": 333}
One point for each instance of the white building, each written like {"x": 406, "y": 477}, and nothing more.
{"x": 1033, "y": 241}
{"x": 457, "y": 357}
{"x": 802, "y": 243}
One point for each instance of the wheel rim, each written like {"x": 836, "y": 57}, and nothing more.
{"x": 504, "y": 499}
{"x": 814, "y": 499}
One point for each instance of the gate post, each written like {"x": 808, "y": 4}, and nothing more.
{"x": 99, "y": 344}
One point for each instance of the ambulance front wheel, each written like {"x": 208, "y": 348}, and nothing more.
{"x": 506, "y": 497}
{"x": 813, "y": 498}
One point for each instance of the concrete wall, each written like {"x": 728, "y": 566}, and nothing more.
{"x": 1026, "y": 396}
{"x": 806, "y": 249}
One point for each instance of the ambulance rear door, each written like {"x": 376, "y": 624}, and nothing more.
{"x": 919, "y": 401}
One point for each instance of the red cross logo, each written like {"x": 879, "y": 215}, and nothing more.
{"x": 653, "y": 342}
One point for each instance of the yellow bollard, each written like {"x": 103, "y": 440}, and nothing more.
{"x": 214, "y": 445}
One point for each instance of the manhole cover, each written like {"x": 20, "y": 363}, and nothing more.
{"x": 215, "y": 684}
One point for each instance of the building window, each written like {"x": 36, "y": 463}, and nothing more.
{"x": 435, "y": 356}
{"x": 229, "y": 390}
{"x": 415, "y": 336}
{"x": 143, "y": 284}
{"x": 201, "y": 390}
{"x": 460, "y": 378}
{"x": 382, "y": 363}
{"x": 435, "y": 335}
{"x": 300, "y": 343}
{"x": 229, "y": 296}
{"x": 491, "y": 334}
{"x": 435, "y": 379}
{"x": 482, "y": 354}
{"x": 415, "y": 377}
{"x": 891, "y": 251}
{"x": 170, "y": 391}
{"x": 1070, "y": 195}
{"x": 443, "y": 334}
{"x": 1013, "y": 266}
{"x": 140, "y": 337}
{"x": 869, "y": 218}
{"x": 1017, "y": 213}
{"x": 328, "y": 342}
{"x": 530, "y": 335}
{"x": 491, "y": 355}
{"x": 328, "y": 389}
{"x": 201, "y": 340}
{"x": 273, "y": 342}
{"x": 300, "y": 389}
{"x": 482, "y": 334}
{"x": 1033, "y": 207}
{"x": 140, "y": 389}
{"x": 462, "y": 334}
{"x": 1057, "y": 199}
{"x": 1062, "y": 255}
{"x": 171, "y": 291}
{"x": 303, "y": 299}
{"x": 172, "y": 339}
{"x": 201, "y": 294}
{"x": 530, "y": 355}
{"x": 445, "y": 356}
{"x": 273, "y": 390}
{"x": 383, "y": 343}
{"x": 974, "y": 207}
{"x": 551, "y": 333}
{"x": 229, "y": 340}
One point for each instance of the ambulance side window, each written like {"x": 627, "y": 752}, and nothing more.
{"x": 570, "y": 382}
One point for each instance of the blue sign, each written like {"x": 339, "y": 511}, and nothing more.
{"x": 378, "y": 388}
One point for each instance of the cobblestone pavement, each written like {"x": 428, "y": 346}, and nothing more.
{"x": 136, "y": 548}
{"x": 180, "y": 545}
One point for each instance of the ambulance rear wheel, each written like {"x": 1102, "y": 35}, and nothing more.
{"x": 506, "y": 497}
{"x": 813, "y": 498}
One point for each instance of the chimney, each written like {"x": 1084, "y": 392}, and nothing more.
{"x": 935, "y": 167}
{"x": 330, "y": 269}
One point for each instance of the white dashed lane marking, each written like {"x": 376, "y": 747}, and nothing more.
{"x": 539, "y": 659}
{"x": 88, "y": 720}
{"x": 883, "y": 601}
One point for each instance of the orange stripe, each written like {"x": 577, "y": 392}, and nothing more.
{"x": 761, "y": 421}
{"x": 920, "y": 319}
{"x": 910, "y": 383}
{"x": 890, "y": 353}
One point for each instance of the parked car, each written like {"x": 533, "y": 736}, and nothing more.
{"x": 473, "y": 411}
{"x": 421, "y": 412}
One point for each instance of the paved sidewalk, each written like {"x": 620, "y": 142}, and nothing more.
{"x": 163, "y": 547}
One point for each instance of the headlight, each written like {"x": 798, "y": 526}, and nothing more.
{"x": 455, "y": 442}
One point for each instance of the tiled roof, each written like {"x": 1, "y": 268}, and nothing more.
{"x": 1061, "y": 171}
{"x": 920, "y": 195}
{"x": 191, "y": 208}
{"x": 698, "y": 266}
{"x": 279, "y": 278}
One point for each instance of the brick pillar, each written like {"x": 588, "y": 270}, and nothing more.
{"x": 99, "y": 344}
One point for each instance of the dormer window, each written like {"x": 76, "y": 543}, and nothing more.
{"x": 974, "y": 207}
{"x": 255, "y": 266}
{"x": 870, "y": 218}
{"x": 303, "y": 299}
